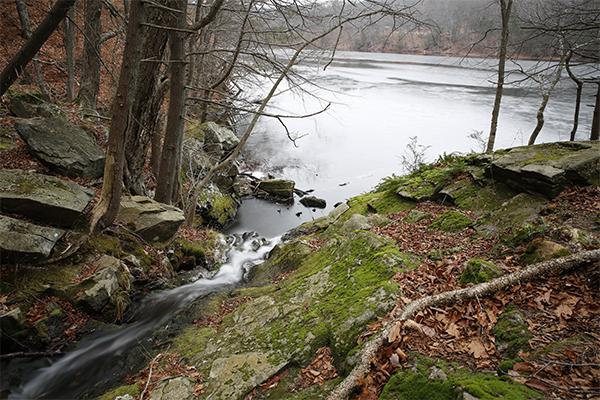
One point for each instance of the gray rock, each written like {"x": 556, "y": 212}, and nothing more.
{"x": 110, "y": 276}
{"x": 24, "y": 242}
{"x": 23, "y": 109}
{"x": 415, "y": 216}
{"x": 548, "y": 168}
{"x": 218, "y": 139}
{"x": 355, "y": 223}
{"x": 64, "y": 147}
{"x": 312, "y": 201}
{"x": 174, "y": 389}
{"x": 153, "y": 221}
{"x": 42, "y": 197}
{"x": 278, "y": 187}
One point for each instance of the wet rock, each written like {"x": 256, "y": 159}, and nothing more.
{"x": 543, "y": 250}
{"x": 42, "y": 197}
{"x": 479, "y": 271}
{"x": 153, "y": 221}
{"x": 281, "y": 188}
{"x": 318, "y": 224}
{"x": 21, "y": 241}
{"x": 312, "y": 201}
{"x": 64, "y": 147}
{"x": 215, "y": 206}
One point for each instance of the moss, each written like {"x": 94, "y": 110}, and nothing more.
{"x": 411, "y": 384}
{"x": 451, "y": 221}
{"x": 132, "y": 390}
{"x": 507, "y": 365}
{"x": 380, "y": 202}
{"x": 478, "y": 271}
{"x": 192, "y": 341}
{"x": 512, "y": 330}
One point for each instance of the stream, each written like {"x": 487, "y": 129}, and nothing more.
{"x": 89, "y": 363}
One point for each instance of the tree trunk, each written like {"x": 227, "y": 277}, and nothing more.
{"x": 69, "y": 43}
{"x": 505, "y": 9}
{"x": 595, "y": 134}
{"x": 167, "y": 182}
{"x": 27, "y": 32}
{"x": 150, "y": 94}
{"x": 579, "y": 84}
{"x": 90, "y": 72}
{"x": 17, "y": 64}
{"x": 105, "y": 212}
{"x": 545, "y": 98}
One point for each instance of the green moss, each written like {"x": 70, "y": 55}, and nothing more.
{"x": 478, "y": 271}
{"x": 192, "y": 341}
{"x": 415, "y": 384}
{"x": 507, "y": 365}
{"x": 451, "y": 221}
{"x": 512, "y": 330}
{"x": 380, "y": 202}
{"x": 132, "y": 390}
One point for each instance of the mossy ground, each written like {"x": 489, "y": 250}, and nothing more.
{"x": 408, "y": 384}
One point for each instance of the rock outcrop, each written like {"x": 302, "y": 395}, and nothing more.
{"x": 64, "y": 147}
{"x": 42, "y": 197}
{"x": 281, "y": 188}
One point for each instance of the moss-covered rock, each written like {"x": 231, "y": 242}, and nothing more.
{"x": 420, "y": 383}
{"x": 415, "y": 216}
{"x": 542, "y": 250}
{"x": 479, "y": 271}
{"x": 328, "y": 300}
{"x": 451, "y": 221}
{"x": 511, "y": 333}
{"x": 215, "y": 207}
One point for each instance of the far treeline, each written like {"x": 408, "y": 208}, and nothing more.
{"x": 164, "y": 63}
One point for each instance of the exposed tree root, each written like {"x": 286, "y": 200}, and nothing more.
{"x": 344, "y": 389}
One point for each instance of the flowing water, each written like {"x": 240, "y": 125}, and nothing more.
{"x": 92, "y": 360}
{"x": 378, "y": 101}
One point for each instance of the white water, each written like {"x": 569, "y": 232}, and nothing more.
{"x": 379, "y": 102}
{"x": 89, "y": 363}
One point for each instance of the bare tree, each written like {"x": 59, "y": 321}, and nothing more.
{"x": 69, "y": 43}
{"x": 505, "y": 11}
{"x": 90, "y": 73}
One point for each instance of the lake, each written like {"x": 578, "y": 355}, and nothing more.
{"x": 378, "y": 102}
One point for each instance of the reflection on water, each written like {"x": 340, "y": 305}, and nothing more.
{"x": 379, "y": 101}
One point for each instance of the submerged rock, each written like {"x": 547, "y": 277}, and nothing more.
{"x": 63, "y": 146}
{"x": 312, "y": 201}
{"x": 282, "y": 188}
{"x": 42, "y": 197}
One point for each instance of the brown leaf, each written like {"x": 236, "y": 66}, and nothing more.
{"x": 536, "y": 384}
{"x": 453, "y": 330}
{"x": 401, "y": 354}
{"x": 477, "y": 349}
{"x": 394, "y": 332}
{"x": 563, "y": 309}
{"x": 524, "y": 367}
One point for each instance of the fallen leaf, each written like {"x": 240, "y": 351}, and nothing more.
{"x": 453, "y": 330}
{"x": 536, "y": 384}
{"x": 563, "y": 309}
{"x": 401, "y": 354}
{"x": 394, "y": 332}
{"x": 477, "y": 349}
{"x": 395, "y": 360}
{"x": 524, "y": 367}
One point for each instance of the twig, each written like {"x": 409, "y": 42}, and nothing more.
{"x": 22, "y": 354}
{"x": 149, "y": 375}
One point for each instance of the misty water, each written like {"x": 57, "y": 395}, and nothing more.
{"x": 378, "y": 101}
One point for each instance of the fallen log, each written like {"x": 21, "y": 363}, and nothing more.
{"x": 343, "y": 390}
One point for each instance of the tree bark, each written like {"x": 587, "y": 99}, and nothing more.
{"x": 545, "y": 98}
{"x": 105, "y": 212}
{"x": 69, "y": 43}
{"x": 505, "y": 10}
{"x": 17, "y": 64}
{"x": 595, "y": 134}
{"x": 167, "y": 181}
{"x": 527, "y": 274}
{"x": 27, "y": 32}
{"x": 150, "y": 95}
{"x": 90, "y": 72}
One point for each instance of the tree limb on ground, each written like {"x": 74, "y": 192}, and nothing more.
{"x": 344, "y": 389}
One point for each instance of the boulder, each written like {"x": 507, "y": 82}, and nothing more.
{"x": 218, "y": 141}
{"x": 543, "y": 250}
{"x": 415, "y": 216}
{"x": 22, "y": 109}
{"x": 282, "y": 188}
{"x": 42, "y": 197}
{"x": 548, "y": 168}
{"x": 355, "y": 222}
{"x": 153, "y": 221}
{"x": 312, "y": 201}
{"x": 111, "y": 275}
{"x": 479, "y": 271}
{"x": 64, "y": 147}
{"x": 24, "y": 242}
{"x": 215, "y": 206}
